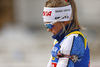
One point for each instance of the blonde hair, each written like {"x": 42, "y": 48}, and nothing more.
{"x": 61, "y": 3}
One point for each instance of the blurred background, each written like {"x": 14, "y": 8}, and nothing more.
{"x": 24, "y": 41}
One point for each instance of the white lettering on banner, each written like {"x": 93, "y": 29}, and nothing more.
{"x": 47, "y": 13}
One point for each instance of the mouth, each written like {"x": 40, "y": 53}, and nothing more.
{"x": 53, "y": 33}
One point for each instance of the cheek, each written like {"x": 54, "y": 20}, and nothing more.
{"x": 57, "y": 28}
{"x": 54, "y": 31}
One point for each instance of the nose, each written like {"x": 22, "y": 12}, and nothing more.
{"x": 48, "y": 30}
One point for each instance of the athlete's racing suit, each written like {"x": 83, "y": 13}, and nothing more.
{"x": 73, "y": 43}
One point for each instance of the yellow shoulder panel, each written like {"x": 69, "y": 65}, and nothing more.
{"x": 78, "y": 32}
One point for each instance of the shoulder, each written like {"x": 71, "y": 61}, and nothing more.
{"x": 55, "y": 41}
{"x": 73, "y": 40}
{"x": 73, "y": 37}
{"x": 69, "y": 39}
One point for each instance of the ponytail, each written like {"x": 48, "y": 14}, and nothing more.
{"x": 74, "y": 13}
{"x": 75, "y": 21}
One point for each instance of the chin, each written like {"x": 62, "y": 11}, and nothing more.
{"x": 53, "y": 33}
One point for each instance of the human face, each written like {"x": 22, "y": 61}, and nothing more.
{"x": 57, "y": 27}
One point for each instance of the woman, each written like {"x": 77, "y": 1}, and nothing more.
{"x": 70, "y": 48}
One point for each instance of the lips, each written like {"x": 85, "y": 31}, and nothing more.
{"x": 53, "y": 33}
